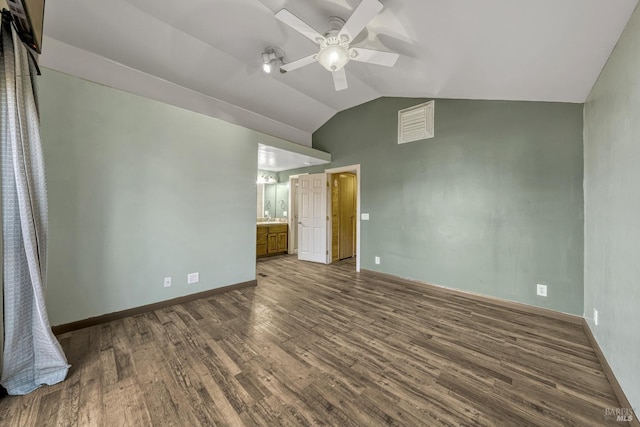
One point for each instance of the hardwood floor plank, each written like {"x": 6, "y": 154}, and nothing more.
{"x": 47, "y": 414}
{"x": 108, "y": 367}
{"x": 162, "y": 409}
{"x": 122, "y": 403}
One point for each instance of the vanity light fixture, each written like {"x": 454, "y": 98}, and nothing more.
{"x": 266, "y": 179}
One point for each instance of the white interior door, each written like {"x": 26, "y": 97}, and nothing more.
{"x": 312, "y": 218}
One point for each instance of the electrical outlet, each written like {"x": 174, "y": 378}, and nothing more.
{"x": 595, "y": 317}
{"x": 193, "y": 278}
{"x": 541, "y": 290}
{"x": 377, "y": 260}
{"x": 167, "y": 282}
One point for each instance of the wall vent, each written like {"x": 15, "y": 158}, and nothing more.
{"x": 416, "y": 123}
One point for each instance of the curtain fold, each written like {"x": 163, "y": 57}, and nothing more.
{"x": 32, "y": 355}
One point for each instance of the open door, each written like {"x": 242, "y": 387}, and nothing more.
{"x": 344, "y": 238}
{"x": 312, "y": 218}
{"x": 347, "y": 215}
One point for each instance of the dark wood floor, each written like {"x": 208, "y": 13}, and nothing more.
{"x": 315, "y": 344}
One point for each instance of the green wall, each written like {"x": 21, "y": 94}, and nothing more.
{"x": 612, "y": 210}
{"x": 492, "y": 204}
{"x": 140, "y": 190}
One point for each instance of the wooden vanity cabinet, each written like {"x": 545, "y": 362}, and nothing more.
{"x": 261, "y": 240}
{"x": 282, "y": 242}
{"x": 272, "y": 243}
{"x": 272, "y": 239}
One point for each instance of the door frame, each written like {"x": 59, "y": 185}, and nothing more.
{"x": 356, "y": 170}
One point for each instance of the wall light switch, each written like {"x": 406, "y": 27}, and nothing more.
{"x": 284, "y": 214}
{"x": 167, "y": 282}
{"x": 364, "y": 216}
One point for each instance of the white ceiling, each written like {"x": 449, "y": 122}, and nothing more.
{"x": 277, "y": 159}
{"x": 205, "y": 54}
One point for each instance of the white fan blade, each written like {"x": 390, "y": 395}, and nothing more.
{"x": 378, "y": 57}
{"x": 364, "y": 13}
{"x": 340, "y": 79}
{"x": 299, "y": 25}
{"x": 299, "y": 63}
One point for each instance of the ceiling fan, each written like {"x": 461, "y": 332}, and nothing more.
{"x": 335, "y": 50}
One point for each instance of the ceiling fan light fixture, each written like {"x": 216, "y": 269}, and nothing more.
{"x": 334, "y": 57}
{"x": 335, "y": 51}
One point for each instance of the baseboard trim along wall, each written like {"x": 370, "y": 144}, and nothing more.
{"x": 558, "y": 315}
{"x": 617, "y": 389}
{"x": 92, "y": 321}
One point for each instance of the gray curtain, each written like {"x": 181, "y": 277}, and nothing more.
{"x": 32, "y": 355}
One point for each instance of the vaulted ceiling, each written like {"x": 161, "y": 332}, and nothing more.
{"x": 206, "y": 54}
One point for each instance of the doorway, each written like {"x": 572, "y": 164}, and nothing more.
{"x": 343, "y": 216}
{"x": 295, "y": 218}
{"x": 344, "y": 208}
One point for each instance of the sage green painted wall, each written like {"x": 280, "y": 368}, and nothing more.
{"x": 140, "y": 190}
{"x": 612, "y": 206}
{"x": 492, "y": 204}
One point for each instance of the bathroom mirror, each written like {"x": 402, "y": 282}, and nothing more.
{"x": 269, "y": 206}
{"x": 273, "y": 200}
{"x": 282, "y": 199}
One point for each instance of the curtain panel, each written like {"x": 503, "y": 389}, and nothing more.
{"x": 32, "y": 355}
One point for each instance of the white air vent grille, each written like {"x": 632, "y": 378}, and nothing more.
{"x": 415, "y": 123}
